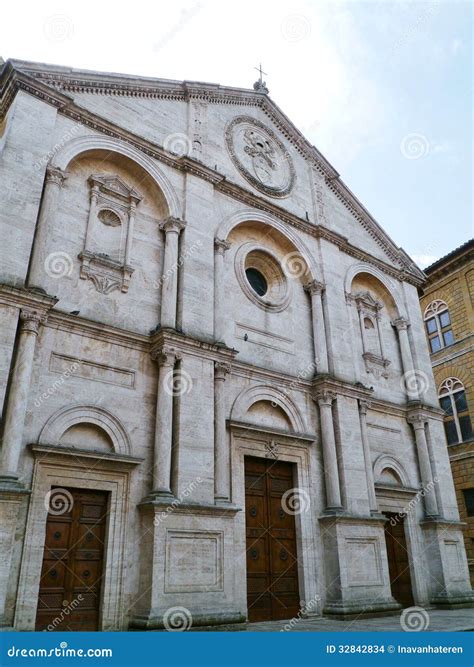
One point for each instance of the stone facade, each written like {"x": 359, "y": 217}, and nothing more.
{"x": 451, "y": 281}
{"x": 138, "y": 358}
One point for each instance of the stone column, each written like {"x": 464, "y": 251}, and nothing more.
{"x": 18, "y": 394}
{"x": 363, "y": 407}
{"x": 172, "y": 228}
{"x": 331, "y": 472}
{"x": 409, "y": 372}
{"x": 221, "y": 448}
{"x": 164, "y": 422}
{"x": 131, "y": 223}
{"x": 418, "y": 422}
{"x": 54, "y": 181}
{"x": 316, "y": 289}
{"x": 220, "y": 318}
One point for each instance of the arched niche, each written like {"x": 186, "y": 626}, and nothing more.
{"x": 93, "y": 143}
{"x": 263, "y": 399}
{"x": 388, "y": 470}
{"x": 59, "y": 429}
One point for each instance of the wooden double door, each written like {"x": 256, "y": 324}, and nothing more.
{"x": 272, "y": 563}
{"x": 71, "y": 576}
{"x": 398, "y": 562}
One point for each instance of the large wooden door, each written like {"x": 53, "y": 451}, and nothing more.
{"x": 272, "y": 565}
{"x": 71, "y": 577}
{"x": 398, "y": 563}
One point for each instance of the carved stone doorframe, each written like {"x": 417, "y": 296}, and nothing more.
{"x": 75, "y": 468}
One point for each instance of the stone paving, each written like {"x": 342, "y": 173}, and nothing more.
{"x": 453, "y": 620}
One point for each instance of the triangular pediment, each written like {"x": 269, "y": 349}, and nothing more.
{"x": 71, "y": 89}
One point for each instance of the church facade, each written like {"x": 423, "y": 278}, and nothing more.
{"x": 218, "y": 402}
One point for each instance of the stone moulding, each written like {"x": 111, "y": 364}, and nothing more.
{"x": 106, "y": 274}
{"x": 49, "y": 84}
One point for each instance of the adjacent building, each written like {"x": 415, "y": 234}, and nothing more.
{"x": 447, "y": 306}
{"x": 217, "y": 396}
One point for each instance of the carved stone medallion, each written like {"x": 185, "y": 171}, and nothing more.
{"x": 260, "y": 156}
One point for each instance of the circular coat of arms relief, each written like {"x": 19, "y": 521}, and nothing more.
{"x": 260, "y": 156}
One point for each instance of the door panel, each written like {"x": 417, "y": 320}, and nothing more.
{"x": 272, "y": 566}
{"x": 398, "y": 563}
{"x": 71, "y": 575}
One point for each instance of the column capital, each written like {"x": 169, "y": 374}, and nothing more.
{"x": 221, "y": 369}
{"x": 31, "y": 320}
{"x": 315, "y": 287}
{"x": 221, "y": 246}
{"x": 172, "y": 225}
{"x": 166, "y": 356}
{"x": 364, "y": 406}
{"x": 417, "y": 419}
{"x": 55, "y": 175}
{"x": 401, "y": 323}
{"x": 324, "y": 398}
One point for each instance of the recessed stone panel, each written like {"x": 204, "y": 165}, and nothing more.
{"x": 194, "y": 561}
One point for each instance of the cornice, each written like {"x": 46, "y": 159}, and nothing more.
{"x": 189, "y": 345}
{"x": 265, "y": 433}
{"x": 103, "y": 332}
{"x": 21, "y": 297}
{"x": 51, "y": 83}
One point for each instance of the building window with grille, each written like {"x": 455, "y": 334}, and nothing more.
{"x": 457, "y": 423}
{"x": 438, "y": 325}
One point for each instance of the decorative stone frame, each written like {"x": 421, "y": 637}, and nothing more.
{"x": 73, "y": 468}
{"x": 284, "y": 157}
{"x": 245, "y": 441}
{"x": 368, "y": 308}
{"x": 109, "y": 194}
{"x": 397, "y": 500}
{"x": 252, "y": 255}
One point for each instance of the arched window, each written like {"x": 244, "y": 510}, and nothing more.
{"x": 457, "y": 422}
{"x": 438, "y": 325}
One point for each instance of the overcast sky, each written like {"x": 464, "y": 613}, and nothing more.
{"x": 383, "y": 89}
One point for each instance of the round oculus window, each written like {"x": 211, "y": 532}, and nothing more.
{"x": 257, "y": 281}
{"x": 261, "y": 277}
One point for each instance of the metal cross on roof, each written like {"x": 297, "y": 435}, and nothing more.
{"x": 261, "y": 72}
